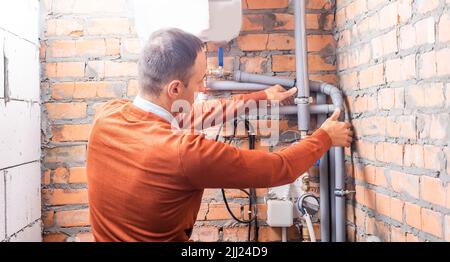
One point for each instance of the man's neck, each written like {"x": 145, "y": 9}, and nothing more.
{"x": 157, "y": 101}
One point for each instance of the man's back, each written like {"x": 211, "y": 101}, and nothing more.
{"x": 137, "y": 191}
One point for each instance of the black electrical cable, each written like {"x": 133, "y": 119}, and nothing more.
{"x": 252, "y": 194}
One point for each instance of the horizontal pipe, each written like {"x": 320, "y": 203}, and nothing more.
{"x": 240, "y": 76}
{"x": 314, "y": 109}
{"x": 234, "y": 86}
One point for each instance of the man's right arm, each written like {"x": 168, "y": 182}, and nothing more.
{"x": 210, "y": 164}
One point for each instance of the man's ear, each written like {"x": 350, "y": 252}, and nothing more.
{"x": 174, "y": 89}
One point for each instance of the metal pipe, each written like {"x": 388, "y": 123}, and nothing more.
{"x": 240, "y": 76}
{"x": 323, "y": 176}
{"x": 301, "y": 62}
{"x": 340, "y": 195}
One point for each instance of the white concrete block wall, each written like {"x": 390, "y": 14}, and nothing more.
{"x": 20, "y": 174}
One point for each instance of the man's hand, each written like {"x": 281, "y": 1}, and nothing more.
{"x": 278, "y": 93}
{"x": 339, "y": 132}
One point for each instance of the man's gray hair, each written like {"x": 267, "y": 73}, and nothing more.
{"x": 168, "y": 55}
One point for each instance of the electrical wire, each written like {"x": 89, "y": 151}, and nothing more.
{"x": 252, "y": 192}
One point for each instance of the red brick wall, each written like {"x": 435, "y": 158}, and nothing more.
{"x": 89, "y": 53}
{"x": 393, "y": 65}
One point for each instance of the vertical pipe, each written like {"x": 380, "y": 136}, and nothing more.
{"x": 340, "y": 198}
{"x": 332, "y": 161}
{"x": 324, "y": 187}
{"x": 301, "y": 66}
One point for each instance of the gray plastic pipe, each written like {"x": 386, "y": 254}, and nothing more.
{"x": 324, "y": 186}
{"x": 240, "y": 76}
{"x": 314, "y": 109}
{"x": 234, "y": 86}
{"x": 301, "y": 62}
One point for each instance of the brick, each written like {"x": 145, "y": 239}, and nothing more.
{"x": 349, "y": 81}
{"x": 439, "y": 126}
{"x": 205, "y": 234}
{"x": 91, "y": 47}
{"x": 317, "y": 43}
{"x": 360, "y": 105}
{"x": 432, "y": 190}
{"x": 253, "y": 64}
{"x": 119, "y": 69}
{"x": 388, "y": 16}
{"x": 84, "y": 237}
{"x": 401, "y": 69}
{"x": 65, "y": 154}
{"x": 365, "y": 149}
{"x": 262, "y": 212}
{"x": 235, "y": 234}
{"x": 444, "y": 28}
{"x": 54, "y": 237}
{"x": 269, "y": 234}
{"x": 432, "y": 157}
{"x": 313, "y": 21}
{"x": 396, "y": 209}
{"x": 60, "y": 175}
{"x": 22, "y": 196}
{"x": 404, "y": 183}
{"x": 382, "y": 230}
{"x": 280, "y": 42}
{"x": 108, "y": 26}
{"x": 65, "y": 69}
{"x": 72, "y": 218}
{"x": 64, "y": 196}
{"x": 380, "y": 178}
{"x": 78, "y": 175}
{"x": 383, "y": 204}
{"x": 48, "y": 218}
{"x": 356, "y": 8}
{"x": 340, "y": 18}
{"x": 386, "y": 99}
{"x": 95, "y": 69}
{"x": 62, "y": 48}
{"x": 64, "y": 27}
{"x": 393, "y": 153}
{"x": 413, "y": 215}
{"x": 371, "y": 76}
{"x": 397, "y": 235}
{"x": 429, "y": 67}
{"x": 428, "y": 95}
{"x": 218, "y": 211}
{"x": 443, "y": 62}
{"x": 345, "y": 39}
{"x": 133, "y": 86}
{"x": 426, "y": 32}
{"x": 45, "y": 177}
{"x": 414, "y": 156}
{"x": 319, "y": 63}
{"x": 412, "y": 238}
{"x": 319, "y": 4}
{"x": 253, "y": 42}
{"x": 404, "y": 10}
{"x": 392, "y": 128}
{"x": 432, "y": 222}
{"x": 447, "y": 228}
{"x": 282, "y": 63}
{"x": 424, "y": 6}
{"x": 66, "y": 110}
{"x": 70, "y": 133}
{"x": 407, "y": 126}
{"x": 407, "y": 36}
{"x": 132, "y": 46}
{"x": 265, "y": 4}
{"x": 253, "y": 22}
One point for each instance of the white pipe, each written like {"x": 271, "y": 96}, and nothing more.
{"x": 283, "y": 234}
{"x": 309, "y": 224}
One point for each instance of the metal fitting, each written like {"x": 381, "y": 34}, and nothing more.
{"x": 343, "y": 193}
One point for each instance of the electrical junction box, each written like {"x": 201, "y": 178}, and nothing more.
{"x": 280, "y": 213}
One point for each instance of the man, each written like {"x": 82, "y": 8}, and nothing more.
{"x": 146, "y": 181}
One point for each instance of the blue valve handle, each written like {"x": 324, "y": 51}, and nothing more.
{"x": 220, "y": 54}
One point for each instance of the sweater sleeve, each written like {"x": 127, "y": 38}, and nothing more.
{"x": 210, "y": 164}
{"x": 214, "y": 112}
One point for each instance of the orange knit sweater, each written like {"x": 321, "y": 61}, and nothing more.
{"x": 146, "y": 182}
